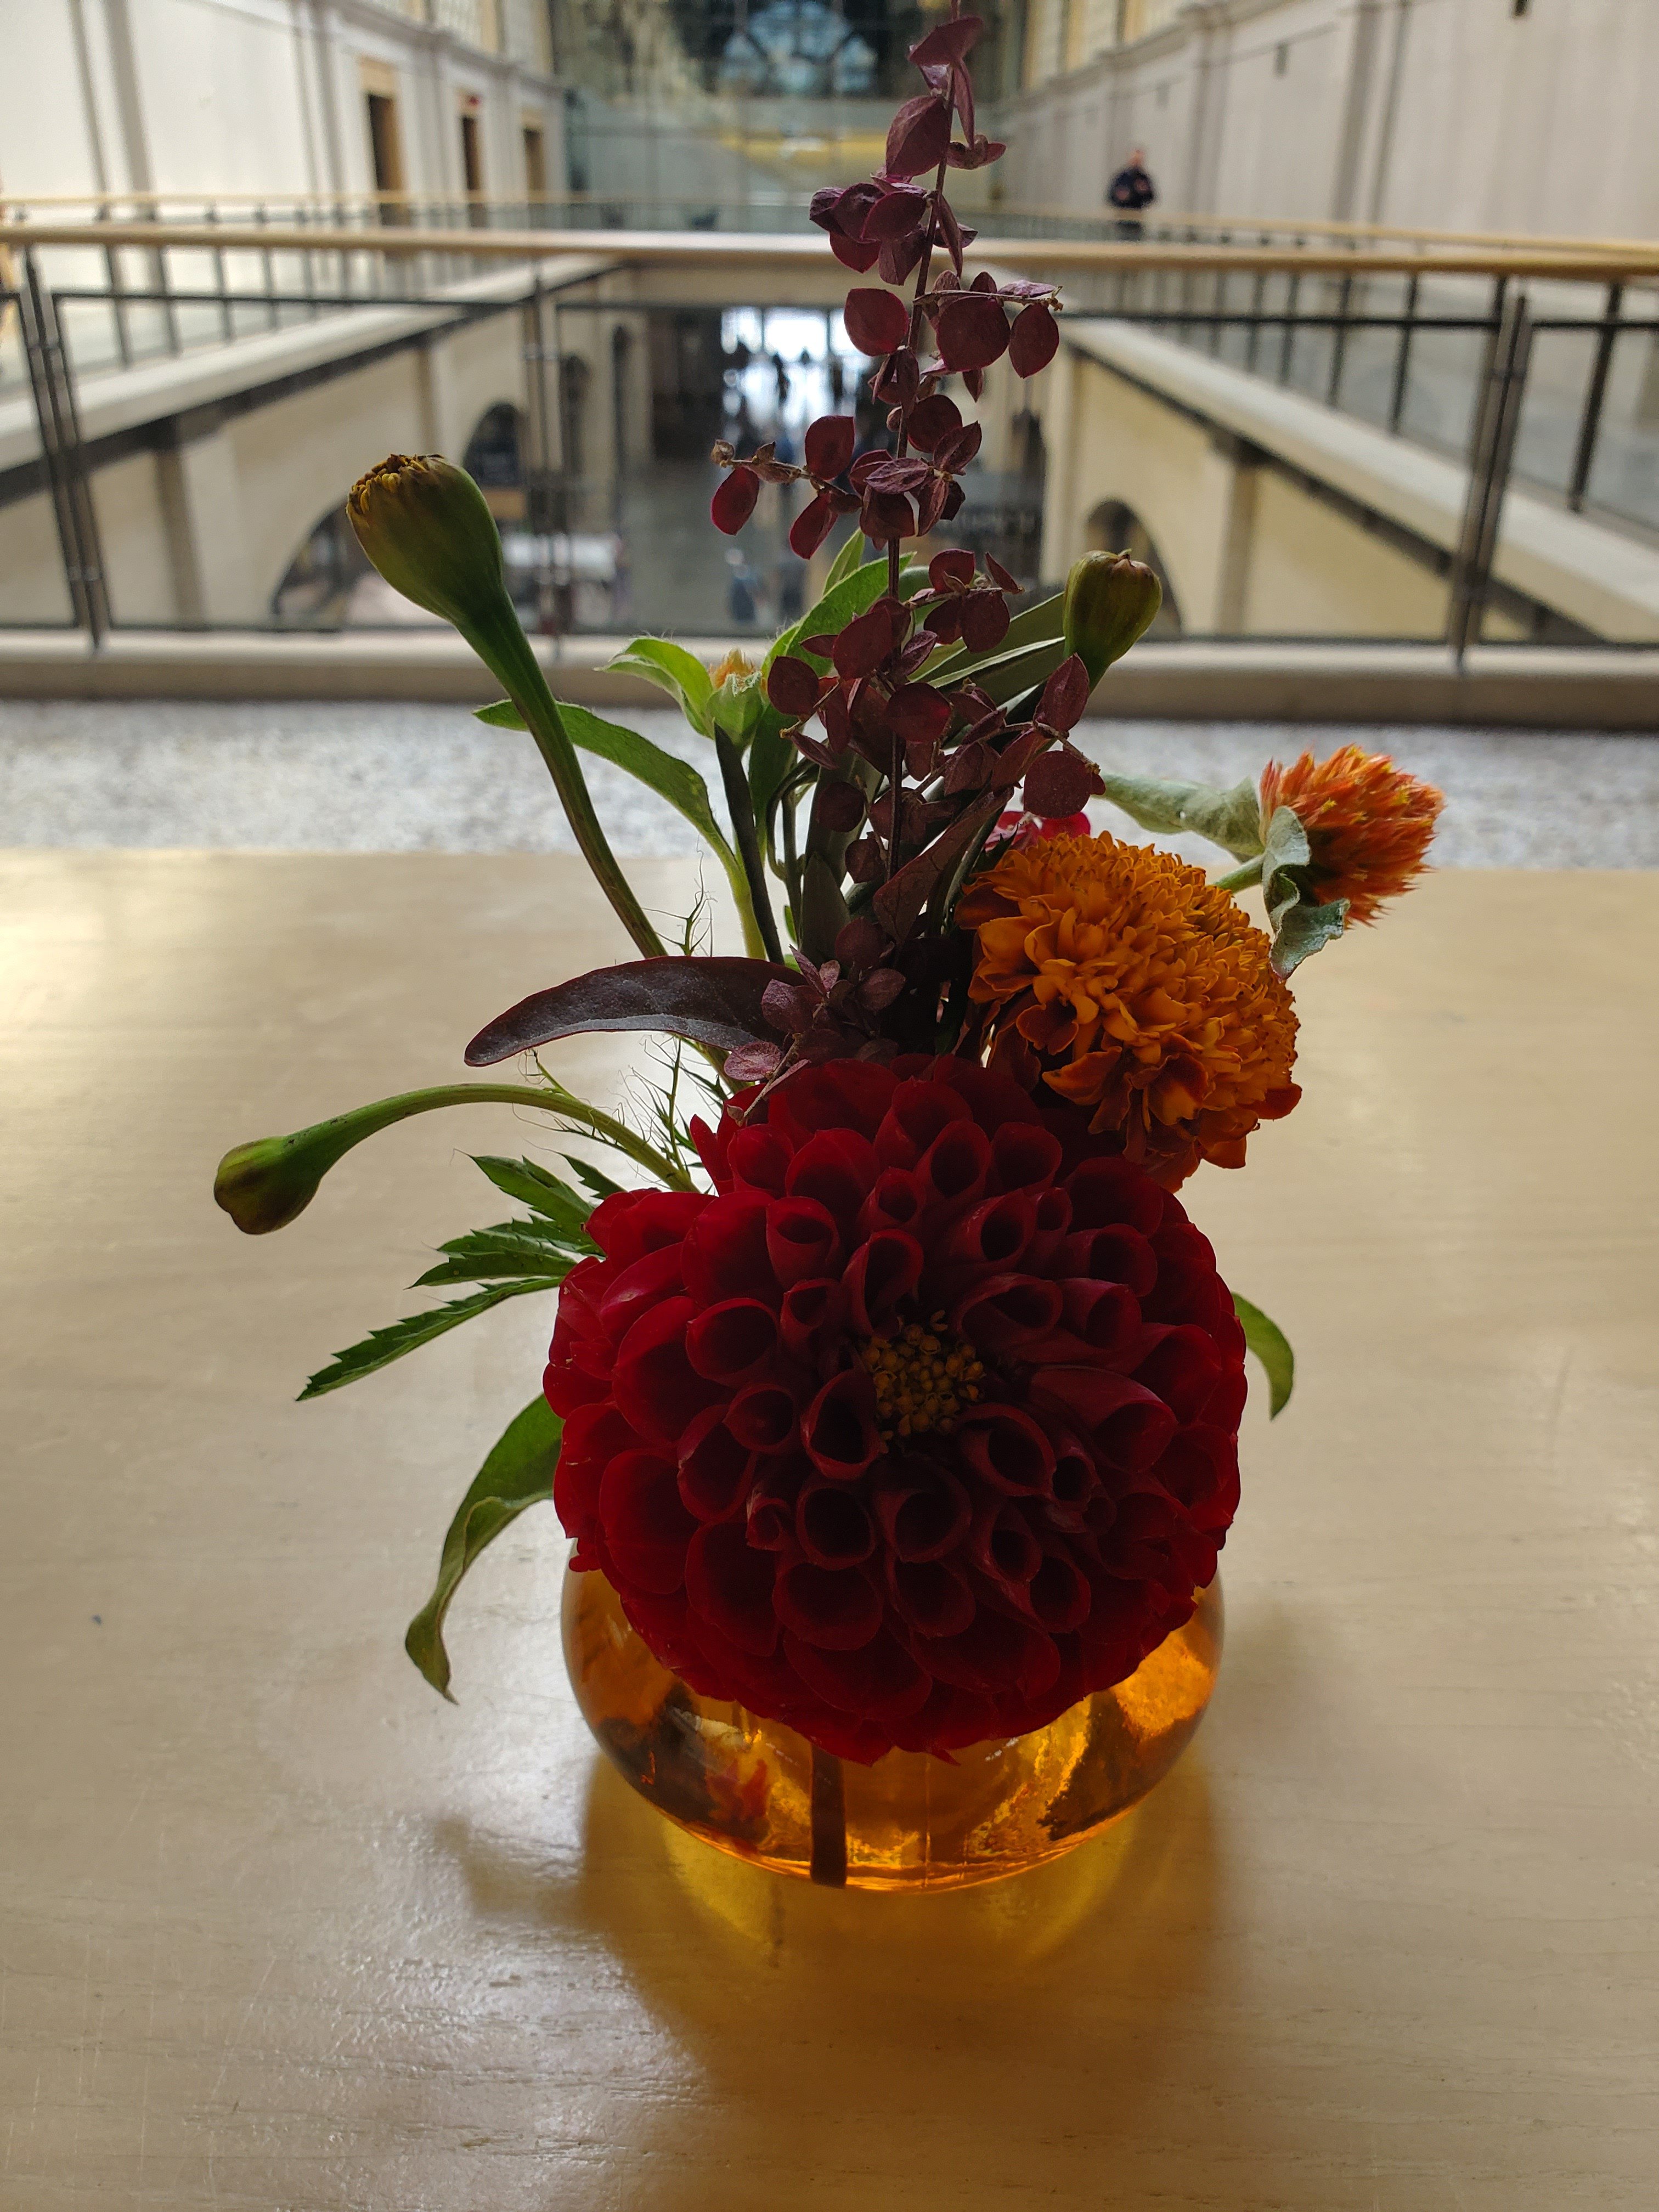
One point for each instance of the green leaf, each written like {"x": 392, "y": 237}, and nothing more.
{"x": 502, "y": 714}
{"x": 542, "y": 1192}
{"x": 518, "y": 1473}
{"x": 855, "y": 594}
{"x": 512, "y": 1249}
{"x": 1230, "y": 817}
{"x": 596, "y": 1179}
{"x": 1041, "y": 624}
{"x": 382, "y": 1345}
{"x": 1300, "y": 921}
{"x": 846, "y": 562}
{"x": 674, "y": 670}
{"x": 1271, "y": 1348}
{"x": 671, "y": 779}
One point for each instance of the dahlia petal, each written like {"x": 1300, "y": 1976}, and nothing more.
{"x": 654, "y": 1379}
{"x": 996, "y": 1232}
{"x": 1002, "y": 1312}
{"x": 917, "y": 1114}
{"x": 879, "y": 1680}
{"x": 636, "y": 1288}
{"x": 843, "y": 1094}
{"x": 881, "y": 1274}
{"x": 647, "y": 1528}
{"x": 770, "y": 1515}
{"x": 1059, "y": 1593}
{"x": 924, "y": 1511}
{"x": 833, "y": 1526}
{"x": 726, "y": 1250}
{"x": 998, "y": 1655}
{"x": 733, "y": 1342}
{"x": 832, "y": 1609}
{"x": 956, "y": 1163}
{"x": 630, "y": 1222}
{"x": 1117, "y": 1254}
{"x": 836, "y": 1168}
{"x": 1009, "y": 1453}
{"x": 951, "y": 1719}
{"x": 764, "y": 1418}
{"x": 802, "y": 1240}
{"x": 1106, "y": 1191}
{"x": 839, "y": 1427}
{"x": 897, "y": 1199}
{"x": 1128, "y": 1425}
{"x": 929, "y": 1596}
{"x": 1023, "y": 1155}
{"x": 715, "y": 1471}
{"x": 593, "y": 1435}
{"x": 1076, "y": 1477}
{"x": 759, "y": 1157}
{"x": 1225, "y": 1407}
{"x": 1182, "y": 1368}
{"x": 662, "y": 1622}
{"x": 729, "y": 1582}
{"x": 1200, "y": 1469}
{"x": 1106, "y": 1315}
{"x": 1003, "y": 1548}
{"x": 813, "y": 1312}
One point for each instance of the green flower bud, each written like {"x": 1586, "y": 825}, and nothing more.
{"x": 264, "y": 1185}
{"x": 1111, "y": 599}
{"x": 425, "y": 526}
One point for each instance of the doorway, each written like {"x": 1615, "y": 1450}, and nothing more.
{"x": 386, "y": 153}
{"x": 472, "y": 168}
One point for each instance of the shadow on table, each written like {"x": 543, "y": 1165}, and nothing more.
{"x": 875, "y": 2031}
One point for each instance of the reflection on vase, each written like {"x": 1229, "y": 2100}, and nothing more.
{"x": 912, "y": 1821}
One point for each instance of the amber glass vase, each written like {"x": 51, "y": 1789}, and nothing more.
{"x": 759, "y": 1791}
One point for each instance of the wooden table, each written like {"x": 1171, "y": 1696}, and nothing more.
{"x": 283, "y": 1930}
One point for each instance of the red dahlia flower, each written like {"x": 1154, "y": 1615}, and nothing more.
{"x": 919, "y": 1428}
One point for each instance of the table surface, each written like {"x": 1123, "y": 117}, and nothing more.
{"x": 281, "y": 1929}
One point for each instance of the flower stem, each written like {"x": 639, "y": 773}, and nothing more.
{"x": 506, "y": 652}
{"x": 829, "y": 1863}
{"x": 1241, "y": 878}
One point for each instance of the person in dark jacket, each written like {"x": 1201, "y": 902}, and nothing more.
{"x": 1130, "y": 191}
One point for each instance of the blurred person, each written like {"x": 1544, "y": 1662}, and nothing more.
{"x": 1131, "y": 191}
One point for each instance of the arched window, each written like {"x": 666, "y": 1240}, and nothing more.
{"x": 798, "y": 49}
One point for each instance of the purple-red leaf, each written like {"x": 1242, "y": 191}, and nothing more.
{"x": 973, "y": 332}
{"x": 1062, "y": 783}
{"x": 752, "y": 1063}
{"x": 931, "y": 419}
{"x": 711, "y": 1000}
{"x": 895, "y": 214}
{"x": 918, "y": 711}
{"x": 829, "y": 443}
{"x": 867, "y": 640}
{"x": 897, "y": 905}
{"x": 734, "y": 502}
{"x": 852, "y": 252}
{"x": 811, "y": 527}
{"x": 999, "y": 574}
{"x": 899, "y": 379}
{"x": 899, "y": 256}
{"x": 791, "y": 685}
{"x": 955, "y": 451}
{"x": 984, "y": 620}
{"x": 1034, "y": 340}
{"x": 876, "y": 321}
{"x": 919, "y": 136}
{"x": 947, "y": 42}
{"x": 1065, "y": 696}
{"x": 952, "y": 567}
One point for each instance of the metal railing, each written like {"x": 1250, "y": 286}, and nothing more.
{"x": 1309, "y": 317}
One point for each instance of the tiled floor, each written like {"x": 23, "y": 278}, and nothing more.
{"x": 394, "y": 778}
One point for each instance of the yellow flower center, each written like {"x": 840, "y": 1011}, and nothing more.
{"x": 926, "y": 1378}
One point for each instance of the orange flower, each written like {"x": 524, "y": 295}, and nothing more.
{"x": 1133, "y": 988}
{"x": 1368, "y": 822}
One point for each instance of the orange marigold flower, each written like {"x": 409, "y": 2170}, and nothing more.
{"x": 1123, "y": 980}
{"x": 1368, "y": 822}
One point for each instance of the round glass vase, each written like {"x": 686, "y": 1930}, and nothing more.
{"x": 757, "y": 1790}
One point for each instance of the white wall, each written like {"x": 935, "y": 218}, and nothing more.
{"x": 254, "y": 97}
{"x": 1450, "y": 114}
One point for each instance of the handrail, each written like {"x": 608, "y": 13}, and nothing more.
{"x": 726, "y": 247}
{"x": 1295, "y": 225}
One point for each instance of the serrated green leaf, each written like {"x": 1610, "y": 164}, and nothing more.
{"x": 677, "y": 672}
{"x": 1271, "y": 1348}
{"x": 541, "y": 1192}
{"x": 1230, "y": 817}
{"x": 510, "y": 1251}
{"x": 596, "y": 1179}
{"x": 382, "y": 1345}
{"x": 1043, "y": 623}
{"x": 518, "y": 1475}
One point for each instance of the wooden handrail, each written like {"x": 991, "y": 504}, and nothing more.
{"x": 693, "y": 248}
{"x": 1296, "y": 226}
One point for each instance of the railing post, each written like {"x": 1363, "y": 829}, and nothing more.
{"x": 227, "y": 317}
{"x": 1340, "y": 341}
{"x": 64, "y": 454}
{"x": 1402, "y": 363}
{"x": 1590, "y": 423}
{"x": 1491, "y": 451}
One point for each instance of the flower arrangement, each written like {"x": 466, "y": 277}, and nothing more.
{"x": 891, "y": 1384}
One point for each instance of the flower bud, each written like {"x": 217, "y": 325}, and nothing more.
{"x": 425, "y": 526}
{"x": 264, "y": 1185}
{"x": 1110, "y": 599}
